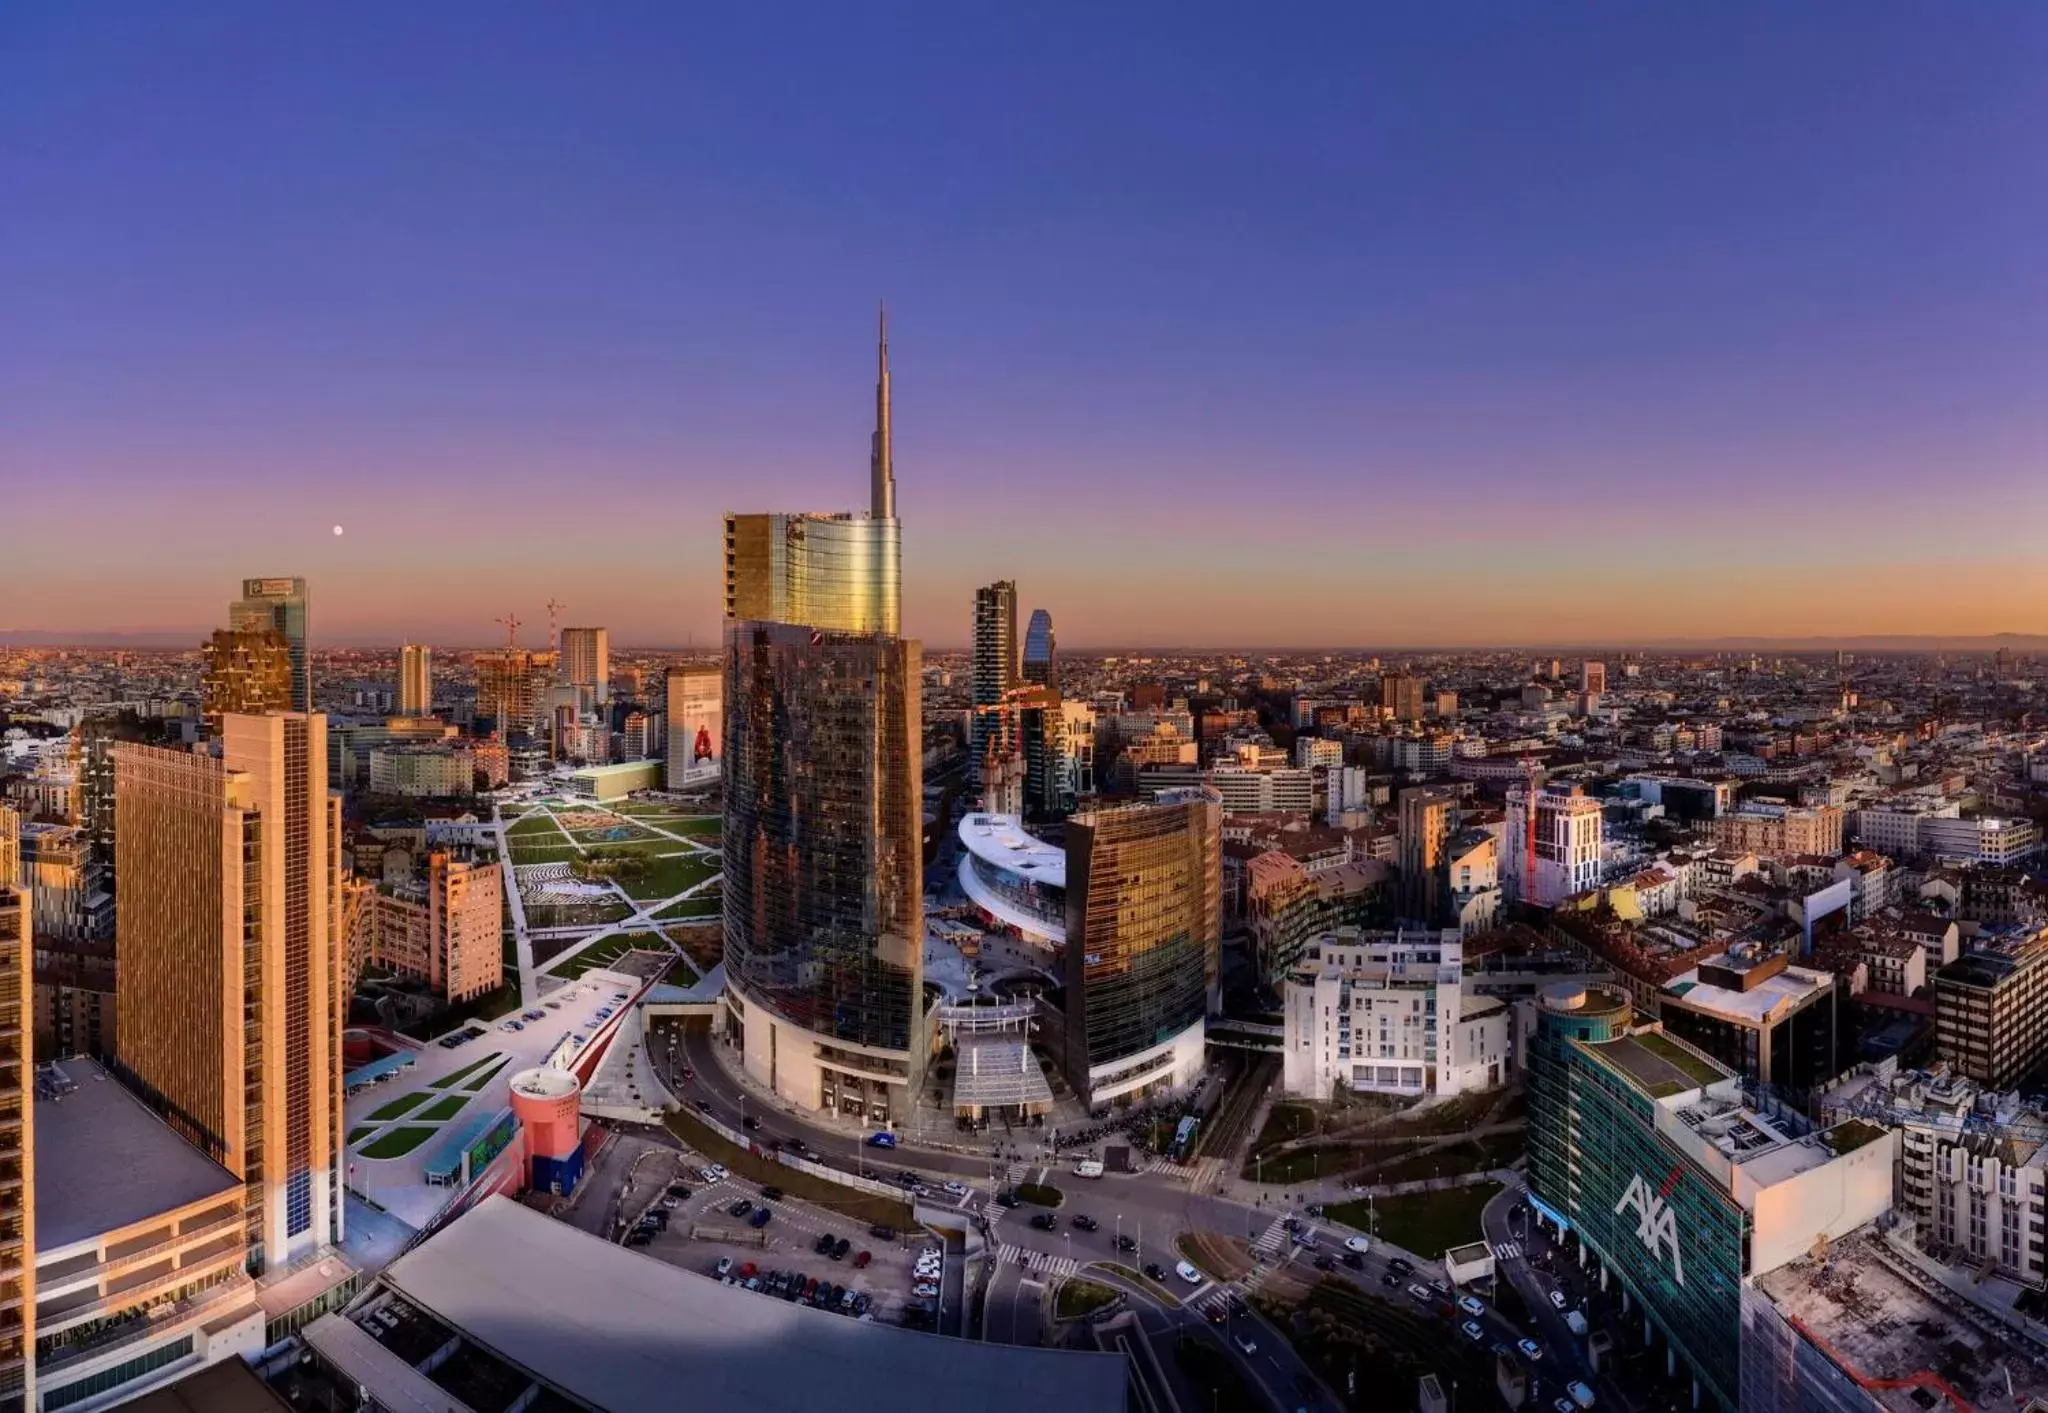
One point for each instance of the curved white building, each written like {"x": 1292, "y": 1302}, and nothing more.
{"x": 1019, "y": 881}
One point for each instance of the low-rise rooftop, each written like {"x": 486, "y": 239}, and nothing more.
{"x": 1001, "y": 839}
{"x": 1658, "y": 1065}
{"x": 104, "y": 1161}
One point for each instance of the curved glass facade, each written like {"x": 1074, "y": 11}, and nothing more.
{"x": 1044, "y": 906}
{"x": 843, "y": 573}
{"x": 823, "y": 833}
{"x": 1144, "y": 925}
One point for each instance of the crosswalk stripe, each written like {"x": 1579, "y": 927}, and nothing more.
{"x": 1507, "y": 1250}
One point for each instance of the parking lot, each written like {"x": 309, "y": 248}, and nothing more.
{"x": 788, "y": 1243}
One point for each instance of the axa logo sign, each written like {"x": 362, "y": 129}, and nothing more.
{"x": 1656, "y": 1222}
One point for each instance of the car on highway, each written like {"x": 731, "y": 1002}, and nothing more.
{"x": 1044, "y": 1221}
{"x": 1325, "y": 1263}
{"x": 1564, "y": 1405}
{"x": 1401, "y": 1265}
{"x": 750, "y": 1123}
{"x": 1127, "y": 1243}
{"x": 1357, "y": 1243}
{"x": 1352, "y": 1259}
{"x": 1007, "y": 1197}
{"x": 1154, "y": 1271}
{"x": 1557, "y": 1300}
{"x": 881, "y": 1139}
{"x": 686, "y": 1074}
{"x": 1390, "y": 1280}
{"x": 1420, "y": 1294}
{"x": 1531, "y": 1350}
{"x": 954, "y": 1189}
{"x": 1471, "y": 1306}
{"x": 703, "y": 1106}
{"x": 1187, "y": 1272}
{"x": 1474, "y": 1331}
{"x": 1084, "y": 1222}
{"x": 1247, "y": 1344}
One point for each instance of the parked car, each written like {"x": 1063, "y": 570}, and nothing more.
{"x": 924, "y": 1290}
{"x": 703, "y": 1106}
{"x": 677, "y": 1189}
{"x": 955, "y": 1189}
{"x": 860, "y": 1262}
{"x": 823, "y": 1243}
{"x": 882, "y": 1233}
{"x": 724, "y": 1266}
{"x": 772, "y": 1194}
{"x": 882, "y": 1139}
{"x": 840, "y": 1248}
{"x": 761, "y": 1217}
{"x": 740, "y": 1208}
{"x": 639, "y": 1236}
{"x": 714, "y": 1172}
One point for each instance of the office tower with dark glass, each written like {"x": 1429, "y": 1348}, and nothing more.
{"x": 247, "y": 670}
{"x": 415, "y": 680}
{"x": 1143, "y": 943}
{"x": 279, "y": 605}
{"x": 997, "y": 672}
{"x": 227, "y": 976}
{"x": 586, "y": 665}
{"x": 1041, "y": 664}
{"x": 823, "y": 787}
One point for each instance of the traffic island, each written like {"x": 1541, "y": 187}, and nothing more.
{"x": 1222, "y": 1258}
{"x": 1140, "y": 1280}
{"x": 1040, "y": 1194}
{"x": 1077, "y": 1299}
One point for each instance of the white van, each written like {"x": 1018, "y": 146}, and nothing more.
{"x": 1089, "y": 1168}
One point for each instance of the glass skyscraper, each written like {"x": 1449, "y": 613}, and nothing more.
{"x": 279, "y": 605}
{"x": 1144, "y": 928}
{"x": 824, "y": 822}
{"x": 1041, "y": 667}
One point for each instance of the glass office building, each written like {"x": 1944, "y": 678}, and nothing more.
{"x": 1144, "y": 928}
{"x": 278, "y": 605}
{"x": 837, "y": 572}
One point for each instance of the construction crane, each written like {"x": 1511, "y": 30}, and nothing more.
{"x": 1531, "y": 769}
{"x": 510, "y": 623}
{"x": 554, "y": 634}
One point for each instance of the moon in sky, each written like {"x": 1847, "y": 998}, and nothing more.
{"x": 337, "y": 529}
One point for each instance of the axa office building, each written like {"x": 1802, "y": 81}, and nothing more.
{"x": 1682, "y": 1190}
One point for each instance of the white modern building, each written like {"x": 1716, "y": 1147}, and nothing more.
{"x": 1387, "y": 1013}
{"x": 1568, "y": 840}
{"x": 1017, "y": 881}
{"x": 1921, "y": 827}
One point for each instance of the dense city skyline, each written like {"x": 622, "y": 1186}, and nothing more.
{"x": 1352, "y": 329}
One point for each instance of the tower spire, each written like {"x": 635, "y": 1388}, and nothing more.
{"x": 881, "y": 463}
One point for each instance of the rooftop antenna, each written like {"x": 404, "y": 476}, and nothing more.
{"x": 510, "y": 622}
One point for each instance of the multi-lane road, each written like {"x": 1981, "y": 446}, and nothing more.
{"x": 1152, "y": 1210}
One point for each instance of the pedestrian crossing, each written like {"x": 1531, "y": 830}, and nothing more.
{"x": 1507, "y": 1250}
{"x": 1272, "y": 1240}
{"x": 1213, "y": 1300}
{"x": 1037, "y": 1262}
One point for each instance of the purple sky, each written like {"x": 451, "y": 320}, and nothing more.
{"x": 1302, "y": 324}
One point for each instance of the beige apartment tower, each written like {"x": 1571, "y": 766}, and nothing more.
{"x": 17, "y": 1157}
{"x": 228, "y": 978}
{"x": 415, "y": 680}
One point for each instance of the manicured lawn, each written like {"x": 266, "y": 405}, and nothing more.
{"x": 1472, "y": 1156}
{"x": 1078, "y": 1297}
{"x": 532, "y": 824}
{"x": 401, "y": 1106}
{"x": 360, "y": 1132}
{"x": 483, "y": 1077}
{"x": 597, "y": 954}
{"x": 1285, "y": 1122}
{"x": 449, "y": 1081}
{"x": 443, "y": 1109}
{"x": 397, "y": 1142}
{"x": 1319, "y": 1160}
{"x": 706, "y": 904}
{"x": 666, "y": 877}
{"x": 1427, "y": 1223}
{"x": 1141, "y": 1281}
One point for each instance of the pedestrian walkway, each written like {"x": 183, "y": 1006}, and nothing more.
{"x": 1214, "y": 1298}
{"x": 1507, "y": 1250}
{"x": 1037, "y": 1262}
{"x": 1272, "y": 1241}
